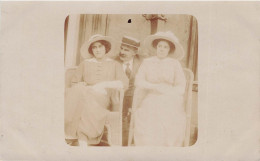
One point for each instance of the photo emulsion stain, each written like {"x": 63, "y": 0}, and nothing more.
{"x": 131, "y": 80}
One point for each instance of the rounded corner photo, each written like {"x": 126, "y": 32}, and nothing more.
{"x": 131, "y": 80}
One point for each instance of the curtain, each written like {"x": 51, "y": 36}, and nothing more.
{"x": 192, "y": 61}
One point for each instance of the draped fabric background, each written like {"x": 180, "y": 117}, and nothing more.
{"x": 79, "y": 28}
{"x": 184, "y": 26}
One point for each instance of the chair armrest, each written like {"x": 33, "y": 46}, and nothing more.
{"x": 188, "y": 103}
{"x": 114, "y": 122}
{"x": 69, "y": 72}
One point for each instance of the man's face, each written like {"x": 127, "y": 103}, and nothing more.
{"x": 126, "y": 53}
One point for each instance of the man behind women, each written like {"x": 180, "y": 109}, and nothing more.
{"x": 130, "y": 62}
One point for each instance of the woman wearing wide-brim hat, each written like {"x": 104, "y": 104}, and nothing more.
{"x": 86, "y": 102}
{"x": 160, "y": 117}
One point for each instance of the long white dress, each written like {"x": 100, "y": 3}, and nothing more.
{"x": 160, "y": 119}
{"x": 86, "y": 109}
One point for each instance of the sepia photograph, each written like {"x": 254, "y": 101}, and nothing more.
{"x": 131, "y": 80}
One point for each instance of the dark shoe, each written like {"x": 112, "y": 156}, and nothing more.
{"x": 104, "y": 139}
{"x": 102, "y": 143}
{"x": 72, "y": 142}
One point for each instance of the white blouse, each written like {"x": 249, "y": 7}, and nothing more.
{"x": 167, "y": 70}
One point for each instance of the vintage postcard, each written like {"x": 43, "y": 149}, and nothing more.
{"x": 130, "y": 81}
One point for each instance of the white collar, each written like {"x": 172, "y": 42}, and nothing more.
{"x": 130, "y": 62}
{"x": 95, "y": 60}
{"x": 155, "y": 58}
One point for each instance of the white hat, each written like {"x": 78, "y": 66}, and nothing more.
{"x": 85, "y": 50}
{"x": 178, "y": 53}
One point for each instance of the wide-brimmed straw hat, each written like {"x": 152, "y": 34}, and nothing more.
{"x": 177, "y": 53}
{"x": 85, "y": 50}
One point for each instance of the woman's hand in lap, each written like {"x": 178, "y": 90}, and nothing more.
{"x": 100, "y": 88}
{"x": 164, "y": 88}
{"x": 78, "y": 84}
{"x": 113, "y": 84}
{"x": 116, "y": 84}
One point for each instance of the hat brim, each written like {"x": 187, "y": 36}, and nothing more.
{"x": 125, "y": 44}
{"x": 178, "y": 53}
{"x": 84, "y": 51}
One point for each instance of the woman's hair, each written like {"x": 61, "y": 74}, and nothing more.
{"x": 103, "y": 42}
{"x": 156, "y": 41}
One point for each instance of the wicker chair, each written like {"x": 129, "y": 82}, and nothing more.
{"x": 188, "y": 108}
{"x": 114, "y": 118}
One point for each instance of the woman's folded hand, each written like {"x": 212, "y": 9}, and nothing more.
{"x": 164, "y": 88}
{"x": 100, "y": 88}
{"x": 116, "y": 84}
{"x": 108, "y": 84}
{"x": 78, "y": 84}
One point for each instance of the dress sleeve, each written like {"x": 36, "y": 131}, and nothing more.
{"x": 78, "y": 75}
{"x": 179, "y": 80}
{"x": 120, "y": 75}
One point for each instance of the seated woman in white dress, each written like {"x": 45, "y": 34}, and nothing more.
{"x": 87, "y": 101}
{"x": 160, "y": 118}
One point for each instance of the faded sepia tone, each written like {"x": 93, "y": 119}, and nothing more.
{"x": 79, "y": 28}
{"x": 32, "y": 81}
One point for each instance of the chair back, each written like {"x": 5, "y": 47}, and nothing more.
{"x": 188, "y": 103}
{"x": 68, "y": 76}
